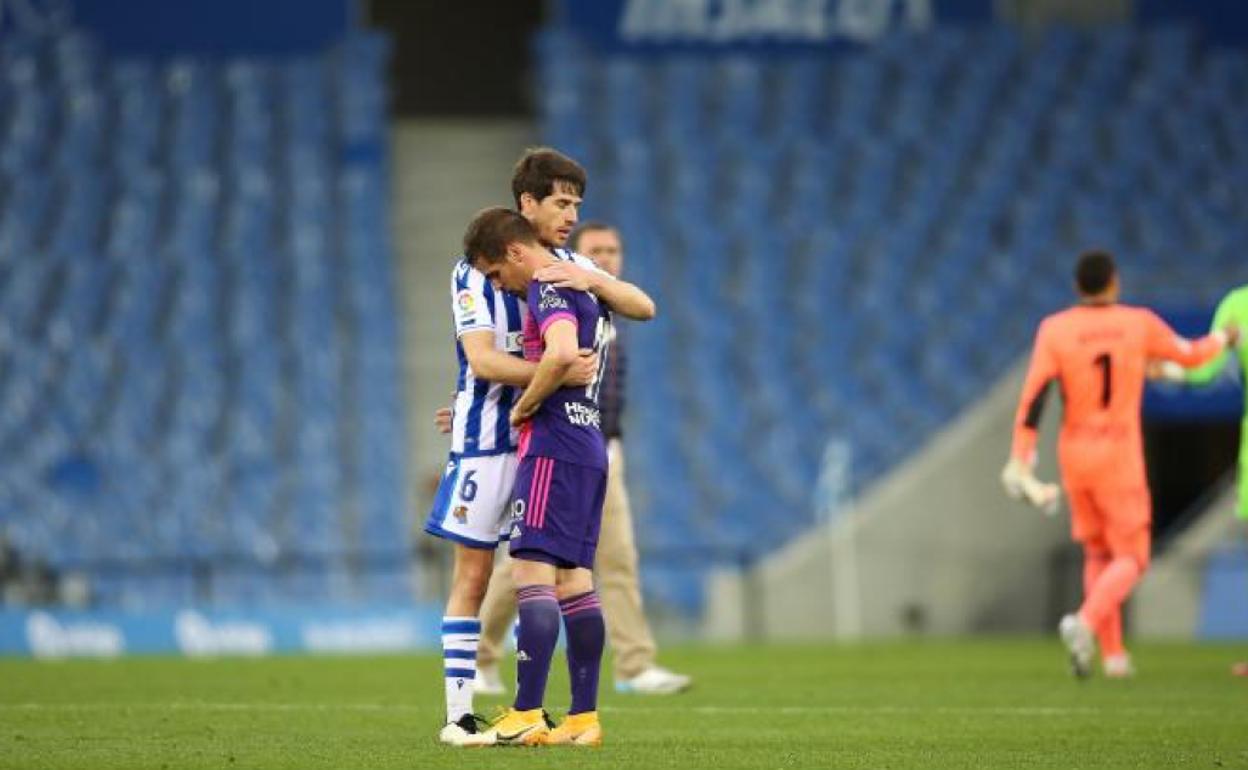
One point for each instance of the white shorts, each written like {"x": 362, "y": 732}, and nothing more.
{"x": 473, "y": 503}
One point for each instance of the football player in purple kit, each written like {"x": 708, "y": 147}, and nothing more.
{"x": 560, "y": 484}
{"x": 473, "y": 505}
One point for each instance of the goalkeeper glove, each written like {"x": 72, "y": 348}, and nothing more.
{"x": 1021, "y": 484}
{"x": 1166, "y": 371}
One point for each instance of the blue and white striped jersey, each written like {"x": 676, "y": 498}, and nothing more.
{"x": 481, "y": 425}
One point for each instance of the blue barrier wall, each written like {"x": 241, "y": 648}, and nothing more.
{"x": 196, "y": 632}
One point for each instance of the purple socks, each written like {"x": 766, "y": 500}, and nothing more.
{"x": 539, "y": 630}
{"x": 582, "y": 617}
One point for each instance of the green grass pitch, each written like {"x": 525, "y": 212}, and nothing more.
{"x": 989, "y": 704}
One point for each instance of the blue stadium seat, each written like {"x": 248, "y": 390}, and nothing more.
{"x": 858, "y": 245}
{"x": 177, "y": 314}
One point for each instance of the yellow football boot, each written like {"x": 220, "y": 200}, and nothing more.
{"x": 518, "y": 728}
{"x": 577, "y": 730}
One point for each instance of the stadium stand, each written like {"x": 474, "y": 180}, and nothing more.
{"x": 198, "y": 333}
{"x": 848, "y": 249}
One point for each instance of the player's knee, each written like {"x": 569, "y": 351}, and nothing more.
{"x": 574, "y": 583}
{"x": 1136, "y": 559}
{"x": 467, "y": 597}
{"x": 525, "y": 572}
{"x": 477, "y": 580}
{"x": 472, "y": 571}
{"x": 569, "y": 590}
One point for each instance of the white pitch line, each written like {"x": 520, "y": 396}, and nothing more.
{"x": 885, "y": 710}
{"x": 917, "y": 711}
{"x": 210, "y": 706}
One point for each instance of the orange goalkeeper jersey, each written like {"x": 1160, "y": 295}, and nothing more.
{"x": 1098, "y": 355}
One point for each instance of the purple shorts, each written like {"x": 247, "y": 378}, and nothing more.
{"x": 556, "y": 512}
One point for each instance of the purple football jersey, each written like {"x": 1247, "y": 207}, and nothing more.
{"x": 568, "y": 425}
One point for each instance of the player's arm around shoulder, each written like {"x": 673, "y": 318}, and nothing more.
{"x": 622, "y": 297}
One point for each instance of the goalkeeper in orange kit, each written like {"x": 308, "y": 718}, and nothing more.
{"x": 1097, "y": 352}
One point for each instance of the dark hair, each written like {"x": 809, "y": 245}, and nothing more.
{"x": 540, "y": 169}
{"x": 592, "y": 226}
{"x": 490, "y": 232}
{"x": 1094, "y": 271}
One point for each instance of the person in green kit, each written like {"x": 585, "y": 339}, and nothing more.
{"x": 1232, "y": 311}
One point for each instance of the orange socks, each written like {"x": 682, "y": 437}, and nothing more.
{"x": 1109, "y": 633}
{"x": 1102, "y": 604}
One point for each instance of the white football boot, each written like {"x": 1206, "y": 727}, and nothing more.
{"x": 655, "y": 680}
{"x": 1079, "y": 643}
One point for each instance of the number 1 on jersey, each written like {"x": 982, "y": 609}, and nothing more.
{"x": 1107, "y": 377}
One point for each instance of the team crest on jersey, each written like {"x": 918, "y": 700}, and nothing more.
{"x": 461, "y": 514}
{"x": 550, "y": 298}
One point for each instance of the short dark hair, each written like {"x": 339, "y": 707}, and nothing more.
{"x": 540, "y": 169}
{"x": 491, "y": 231}
{"x": 592, "y": 226}
{"x": 1094, "y": 271}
